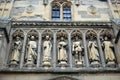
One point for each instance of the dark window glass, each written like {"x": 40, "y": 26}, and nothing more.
{"x": 55, "y": 13}
{"x": 66, "y": 13}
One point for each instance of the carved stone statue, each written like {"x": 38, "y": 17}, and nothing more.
{"x": 16, "y": 47}
{"x": 108, "y": 51}
{"x": 93, "y": 51}
{"x": 77, "y": 51}
{"x": 62, "y": 51}
{"x": 47, "y": 46}
{"x": 31, "y": 54}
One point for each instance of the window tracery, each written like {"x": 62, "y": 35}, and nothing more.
{"x": 61, "y": 10}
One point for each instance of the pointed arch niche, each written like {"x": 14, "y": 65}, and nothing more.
{"x": 16, "y": 48}
{"x": 77, "y": 48}
{"x": 30, "y": 57}
{"x": 93, "y": 49}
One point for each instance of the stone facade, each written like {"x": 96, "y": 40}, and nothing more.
{"x": 33, "y": 40}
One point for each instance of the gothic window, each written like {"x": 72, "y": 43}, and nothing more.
{"x": 66, "y": 13}
{"x": 61, "y": 10}
{"x": 55, "y": 13}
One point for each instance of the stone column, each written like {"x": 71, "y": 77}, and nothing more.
{"x": 39, "y": 51}
{"x": 61, "y": 13}
{"x": 117, "y": 51}
{"x": 69, "y": 52}
{"x": 54, "y": 50}
{"x": 23, "y": 51}
{"x": 101, "y": 51}
{"x": 85, "y": 49}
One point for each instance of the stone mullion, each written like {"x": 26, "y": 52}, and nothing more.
{"x": 85, "y": 50}
{"x": 101, "y": 52}
{"x": 61, "y": 13}
{"x": 54, "y": 50}
{"x": 70, "y": 53}
{"x": 39, "y": 51}
{"x": 23, "y": 51}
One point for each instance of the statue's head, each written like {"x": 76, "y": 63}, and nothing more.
{"x": 47, "y": 37}
{"x": 17, "y": 38}
{"x": 62, "y": 38}
{"x": 32, "y": 37}
{"x": 91, "y": 37}
{"x": 76, "y": 38}
{"x": 106, "y": 38}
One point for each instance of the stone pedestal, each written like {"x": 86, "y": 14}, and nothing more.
{"x": 29, "y": 64}
{"x": 95, "y": 64}
{"x": 46, "y": 64}
{"x": 111, "y": 64}
{"x": 79, "y": 64}
{"x": 13, "y": 64}
{"x": 63, "y": 64}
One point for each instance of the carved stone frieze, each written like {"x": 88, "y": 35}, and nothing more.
{"x": 60, "y": 24}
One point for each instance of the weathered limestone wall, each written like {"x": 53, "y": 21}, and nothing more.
{"x": 3, "y": 49}
{"x": 38, "y": 76}
{"x": 78, "y": 13}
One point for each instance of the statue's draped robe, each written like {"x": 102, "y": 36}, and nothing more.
{"x": 16, "y": 51}
{"x": 31, "y": 53}
{"x": 47, "y": 50}
{"x": 109, "y": 54}
{"x": 62, "y": 52}
{"x": 93, "y": 51}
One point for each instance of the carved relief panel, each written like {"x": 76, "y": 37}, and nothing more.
{"x": 62, "y": 48}
{"x": 108, "y": 47}
{"x": 77, "y": 48}
{"x": 47, "y": 48}
{"x": 16, "y": 48}
{"x": 31, "y": 49}
{"x": 92, "y": 48}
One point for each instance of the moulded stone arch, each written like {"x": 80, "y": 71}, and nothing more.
{"x": 47, "y": 32}
{"x": 67, "y": 3}
{"x": 76, "y": 33}
{"x": 18, "y": 32}
{"x": 64, "y": 78}
{"x": 61, "y": 1}
{"x": 32, "y": 32}
{"x": 108, "y": 33}
{"x": 91, "y": 32}
{"x": 62, "y": 33}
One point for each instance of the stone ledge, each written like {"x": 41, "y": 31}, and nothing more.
{"x": 58, "y": 70}
{"x": 46, "y": 24}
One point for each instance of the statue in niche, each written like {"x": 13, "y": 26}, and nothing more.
{"x": 93, "y": 51}
{"x": 62, "y": 51}
{"x": 47, "y": 47}
{"x": 77, "y": 51}
{"x": 16, "y": 48}
{"x": 108, "y": 49}
{"x": 31, "y": 54}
